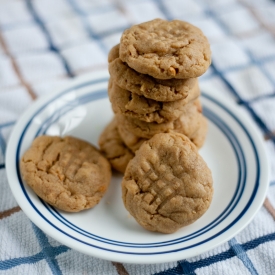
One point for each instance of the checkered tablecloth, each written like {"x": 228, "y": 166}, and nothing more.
{"x": 45, "y": 43}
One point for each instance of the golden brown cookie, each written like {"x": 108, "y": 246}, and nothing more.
{"x": 141, "y": 128}
{"x": 142, "y": 108}
{"x": 165, "y": 49}
{"x": 113, "y": 147}
{"x": 67, "y": 173}
{"x": 186, "y": 124}
{"x": 132, "y": 141}
{"x": 147, "y": 86}
{"x": 199, "y": 136}
{"x": 113, "y": 53}
{"x": 167, "y": 185}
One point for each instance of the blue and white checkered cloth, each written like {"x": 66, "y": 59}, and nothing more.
{"x": 44, "y": 43}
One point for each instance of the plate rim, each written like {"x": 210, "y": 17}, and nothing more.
{"x": 104, "y": 74}
{"x": 127, "y": 244}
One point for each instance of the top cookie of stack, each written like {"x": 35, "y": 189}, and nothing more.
{"x": 159, "y": 59}
{"x": 166, "y": 50}
{"x": 153, "y": 86}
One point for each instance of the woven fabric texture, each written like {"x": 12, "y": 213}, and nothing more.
{"x": 45, "y": 43}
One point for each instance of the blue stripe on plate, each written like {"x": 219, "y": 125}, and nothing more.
{"x": 230, "y": 207}
{"x": 256, "y": 186}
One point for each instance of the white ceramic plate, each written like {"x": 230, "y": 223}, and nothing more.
{"x": 233, "y": 150}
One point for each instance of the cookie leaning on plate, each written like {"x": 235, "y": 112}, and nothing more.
{"x": 166, "y": 49}
{"x": 67, "y": 173}
{"x": 167, "y": 185}
{"x": 147, "y": 86}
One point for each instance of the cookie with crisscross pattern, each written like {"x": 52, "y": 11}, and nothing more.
{"x": 167, "y": 185}
{"x": 68, "y": 173}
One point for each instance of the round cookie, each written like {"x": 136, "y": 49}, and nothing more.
{"x": 113, "y": 147}
{"x": 167, "y": 185}
{"x": 166, "y": 49}
{"x": 67, "y": 173}
{"x": 149, "y": 87}
{"x": 139, "y": 107}
{"x": 186, "y": 124}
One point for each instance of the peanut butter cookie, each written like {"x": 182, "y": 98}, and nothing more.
{"x": 198, "y": 137}
{"x": 113, "y": 53}
{"x": 147, "y": 86}
{"x": 136, "y": 106}
{"x": 186, "y": 124}
{"x": 167, "y": 185}
{"x": 67, "y": 173}
{"x": 132, "y": 141}
{"x": 113, "y": 147}
{"x": 165, "y": 49}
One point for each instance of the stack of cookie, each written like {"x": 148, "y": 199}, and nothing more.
{"x": 153, "y": 86}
